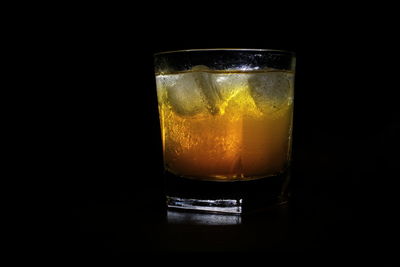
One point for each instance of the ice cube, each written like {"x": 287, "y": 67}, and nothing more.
{"x": 192, "y": 92}
{"x": 271, "y": 90}
{"x": 200, "y": 68}
{"x": 230, "y": 84}
{"x": 209, "y": 89}
{"x": 182, "y": 93}
{"x": 218, "y": 87}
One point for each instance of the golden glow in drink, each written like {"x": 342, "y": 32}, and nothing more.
{"x": 226, "y": 125}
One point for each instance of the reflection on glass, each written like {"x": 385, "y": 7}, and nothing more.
{"x": 229, "y": 206}
{"x": 176, "y": 217}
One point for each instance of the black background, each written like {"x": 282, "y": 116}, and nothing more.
{"x": 344, "y": 148}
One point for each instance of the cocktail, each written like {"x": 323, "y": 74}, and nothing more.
{"x": 226, "y": 122}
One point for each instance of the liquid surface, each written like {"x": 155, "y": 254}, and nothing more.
{"x": 226, "y": 125}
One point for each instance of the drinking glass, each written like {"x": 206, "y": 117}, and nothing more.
{"x": 226, "y": 127}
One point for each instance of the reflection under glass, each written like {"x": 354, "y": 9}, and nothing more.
{"x": 177, "y": 217}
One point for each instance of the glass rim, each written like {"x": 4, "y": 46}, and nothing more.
{"x": 226, "y": 49}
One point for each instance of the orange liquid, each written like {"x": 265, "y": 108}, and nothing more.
{"x": 244, "y": 139}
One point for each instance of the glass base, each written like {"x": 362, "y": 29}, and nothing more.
{"x": 230, "y": 206}
{"x": 237, "y": 197}
{"x": 175, "y": 216}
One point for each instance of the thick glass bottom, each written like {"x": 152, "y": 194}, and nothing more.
{"x": 236, "y": 197}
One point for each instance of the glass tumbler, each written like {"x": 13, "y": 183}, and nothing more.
{"x": 226, "y": 127}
